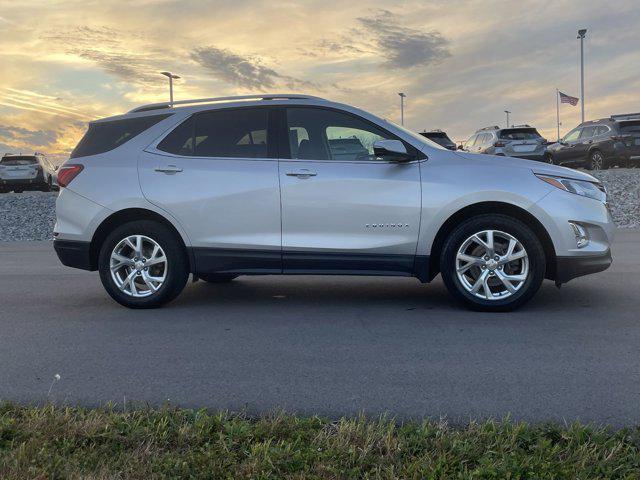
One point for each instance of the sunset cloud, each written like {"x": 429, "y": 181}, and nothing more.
{"x": 459, "y": 63}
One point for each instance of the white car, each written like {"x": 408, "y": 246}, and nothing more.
{"x": 294, "y": 184}
{"x": 26, "y": 172}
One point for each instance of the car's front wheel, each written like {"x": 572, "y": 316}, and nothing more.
{"x": 143, "y": 264}
{"x": 492, "y": 263}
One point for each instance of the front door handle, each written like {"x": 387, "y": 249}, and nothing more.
{"x": 304, "y": 173}
{"x": 169, "y": 169}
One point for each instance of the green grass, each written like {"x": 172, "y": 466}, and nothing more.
{"x": 49, "y": 442}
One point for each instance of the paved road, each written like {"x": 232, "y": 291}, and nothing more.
{"x": 328, "y": 345}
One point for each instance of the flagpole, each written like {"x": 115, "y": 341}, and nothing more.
{"x": 558, "y": 112}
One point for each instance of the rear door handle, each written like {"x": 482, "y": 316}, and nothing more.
{"x": 304, "y": 173}
{"x": 169, "y": 169}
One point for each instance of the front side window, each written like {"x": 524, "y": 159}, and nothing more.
{"x": 588, "y": 132}
{"x": 572, "y": 135}
{"x": 104, "y": 136}
{"x": 240, "y": 133}
{"x": 321, "y": 134}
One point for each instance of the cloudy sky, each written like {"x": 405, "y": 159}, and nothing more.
{"x": 460, "y": 62}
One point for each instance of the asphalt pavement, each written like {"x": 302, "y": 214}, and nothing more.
{"x": 325, "y": 345}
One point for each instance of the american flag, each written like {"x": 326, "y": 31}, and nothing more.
{"x": 564, "y": 98}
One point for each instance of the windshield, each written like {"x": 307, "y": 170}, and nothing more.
{"x": 18, "y": 160}
{"x": 519, "y": 134}
{"x": 416, "y": 136}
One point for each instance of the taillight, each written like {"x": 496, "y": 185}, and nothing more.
{"x": 68, "y": 173}
{"x": 499, "y": 144}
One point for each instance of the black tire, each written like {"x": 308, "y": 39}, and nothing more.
{"x": 17, "y": 190}
{"x": 217, "y": 277}
{"x": 503, "y": 223}
{"x": 47, "y": 186}
{"x": 177, "y": 264}
{"x": 596, "y": 161}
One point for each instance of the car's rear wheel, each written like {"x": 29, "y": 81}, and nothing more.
{"x": 492, "y": 263}
{"x": 143, "y": 264}
{"x": 17, "y": 190}
{"x": 217, "y": 277}
{"x": 596, "y": 161}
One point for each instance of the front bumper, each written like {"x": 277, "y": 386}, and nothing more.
{"x": 73, "y": 253}
{"x": 568, "y": 268}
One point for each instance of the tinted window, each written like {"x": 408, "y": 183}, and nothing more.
{"x": 104, "y": 136}
{"x": 180, "y": 140}
{"x": 240, "y": 133}
{"x": 519, "y": 134}
{"x": 320, "y": 134}
{"x": 471, "y": 141}
{"x": 601, "y": 129}
{"x": 588, "y": 132}
{"x": 630, "y": 126}
{"x": 18, "y": 160}
{"x": 572, "y": 135}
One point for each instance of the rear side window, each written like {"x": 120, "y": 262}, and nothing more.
{"x": 180, "y": 140}
{"x": 240, "y": 133}
{"x": 104, "y": 136}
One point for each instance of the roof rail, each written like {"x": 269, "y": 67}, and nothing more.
{"x": 493, "y": 127}
{"x": 625, "y": 116}
{"x": 281, "y": 96}
{"x": 524, "y": 125}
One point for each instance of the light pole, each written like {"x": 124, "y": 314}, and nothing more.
{"x": 171, "y": 76}
{"x": 507, "y": 112}
{"x": 581, "y": 34}
{"x": 402, "y": 97}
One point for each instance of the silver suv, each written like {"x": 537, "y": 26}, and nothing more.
{"x": 26, "y": 172}
{"x": 521, "y": 141}
{"x": 293, "y": 184}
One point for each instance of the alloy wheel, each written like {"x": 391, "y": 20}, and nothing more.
{"x": 138, "y": 266}
{"x": 596, "y": 161}
{"x": 492, "y": 265}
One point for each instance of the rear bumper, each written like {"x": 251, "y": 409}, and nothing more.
{"x": 73, "y": 253}
{"x": 22, "y": 182}
{"x": 568, "y": 268}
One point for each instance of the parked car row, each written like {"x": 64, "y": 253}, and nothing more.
{"x": 595, "y": 145}
{"x": 27, "y": 172}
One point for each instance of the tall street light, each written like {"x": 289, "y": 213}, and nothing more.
{"x": 402, "y": 97}
{"x": 507, "y": 112}
{"x": 171, "y": 76}
{"x": 581, "y": 34}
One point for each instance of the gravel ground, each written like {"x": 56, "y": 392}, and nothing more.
{"x": 31, "y": 215}
{"x": 27, "y": 216}
{"x": 623, "y": 187}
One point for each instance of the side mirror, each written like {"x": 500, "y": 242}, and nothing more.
{"x": 460, "y": 147}
{"x": 392, "y": 150}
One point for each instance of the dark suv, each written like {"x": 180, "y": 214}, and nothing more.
{"x": 440, "y": 137}
{"x": 599, "y": 144}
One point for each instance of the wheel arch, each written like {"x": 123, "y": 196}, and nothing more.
{"x": 130, "y": 215}
{"x": 494, "y": 208}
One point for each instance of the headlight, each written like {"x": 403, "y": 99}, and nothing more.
{"x": 579, "y": 187}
